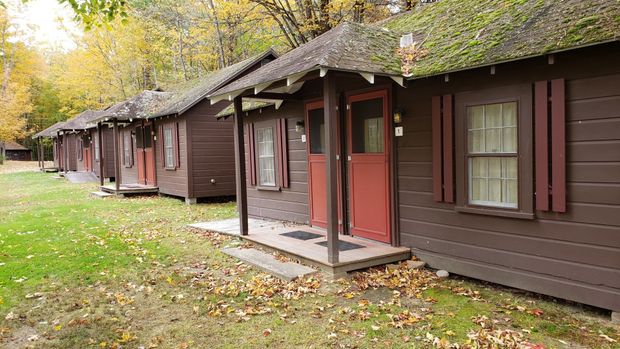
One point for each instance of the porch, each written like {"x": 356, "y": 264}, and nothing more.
{"x": 123, "y": 189}
{"x": 309, "y": 245}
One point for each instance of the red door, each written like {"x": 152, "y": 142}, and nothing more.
{"x": 87, "y": 160}
{"x": 368, "y": 165}
{"x": 316, "y": 166}
{"x": 145, "y": 155}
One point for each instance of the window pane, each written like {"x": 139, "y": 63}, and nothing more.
{"x": 510, "y": 140}
{"x": 139, "y": 138}
{"x": 266, "y": 158}
{"x": 367, "y": 126}
{"x": 147, "y": 137}
{"x": 493, "y": 181}
{"x": 317, "y": 131}
{"x": 476, "y": 117}
{"x": 493, "y": 140}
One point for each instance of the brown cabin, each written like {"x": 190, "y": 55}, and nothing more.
{"x": 501, "y": 162}
{"x": 15, "y": 151}
{"x": 77, "y": 141}
{"x": 52, "y": 133}
{"x": 171, "y": 142}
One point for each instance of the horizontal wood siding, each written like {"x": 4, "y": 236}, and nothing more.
{"x": 288, "y": 204}
{"x": 212, "y": 151}
{"x": 573, "y": 255}
{"x": 172, "y": 182}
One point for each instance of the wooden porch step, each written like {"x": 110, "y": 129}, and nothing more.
{"x": 287, "y": 271}
{"x": 101, "y": 194}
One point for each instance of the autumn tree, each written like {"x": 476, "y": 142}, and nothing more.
{"x": 20, "y": 66}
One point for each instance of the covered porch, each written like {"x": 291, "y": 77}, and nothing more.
{"x": 309, "y": 244}
{"x": 344, "y": 121}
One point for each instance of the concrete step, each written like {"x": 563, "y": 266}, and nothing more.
{"x": 287, "y": 271}
{"x": 100, "y": 194}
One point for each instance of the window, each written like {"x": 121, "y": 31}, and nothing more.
{"x": 494, "y": 159}
{"x": 266, "y": 157}
{"x": 168, "y": 148}
{"x": 148, "y": 140}
{"x": 80, "y": 149}
{"x": 317, "y": 131}
{"x": 492, "y": 154}
{"x": 96, "y": 143}
{"x": 127, "y": 149}
{"x": 367, "y": 126}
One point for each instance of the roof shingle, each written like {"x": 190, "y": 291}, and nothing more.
{"x": 462, "y": 34}
{"x": 347, "y": 47}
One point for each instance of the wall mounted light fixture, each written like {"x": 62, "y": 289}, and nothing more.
{"x": 300, "y": 127}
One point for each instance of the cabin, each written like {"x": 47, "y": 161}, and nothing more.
{"x": 15, "y": 151}
{"x": 78, "y": 141}
{"x": 171, "y": 142}
{"x": 53, "y": 134}
{"x": 490, "y": 147}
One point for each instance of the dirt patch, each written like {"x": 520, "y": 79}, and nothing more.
{"x": 23, "y": 337}
{"x": 22, "y": 166}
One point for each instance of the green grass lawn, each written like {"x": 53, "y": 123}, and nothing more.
{"x": 79, "y": 272}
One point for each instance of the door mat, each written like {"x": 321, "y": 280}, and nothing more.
{"x": 343, "y": 245}
{"x": 301, "y": 235}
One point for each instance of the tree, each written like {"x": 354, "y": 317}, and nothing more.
{"x": 20, "y": 66}
{"x": 302, "y": 20}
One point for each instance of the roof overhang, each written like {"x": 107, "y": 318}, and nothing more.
{"x": 293, "y": 82}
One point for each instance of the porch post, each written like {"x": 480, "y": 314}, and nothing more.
{"x": 117, "y": 167}
{"x": 242, "y": 190}
{"x": 65, "y": 150}
{"x": 100, "y": 155}
{"x": 330, "y": 105}
{"x": 39, "y": 153}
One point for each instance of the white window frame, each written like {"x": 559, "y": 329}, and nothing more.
{"x": 261, "y": 158}
{"x": 169, "y": 162}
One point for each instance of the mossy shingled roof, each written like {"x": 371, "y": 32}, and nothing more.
{"x": 461, "y": 34}
{"x": 347, "y": 47}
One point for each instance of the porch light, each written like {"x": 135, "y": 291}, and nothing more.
{"x": 398, "y": 116}
{"x": 299, "y": 127}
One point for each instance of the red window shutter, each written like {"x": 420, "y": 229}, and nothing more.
{"x": 437, "y": 150}
{"x": 252, "y": 155}
{"x": 448, "y": 150}
{"x": 131, "y": 149}
{"x": 282, "y": 152}
{"x": 160, "y": 140}
{"x": 122, "y": 140}
{"x": 541, "y": 137}
{"x": 177, "y": 153}
{"x": 558, "y": 145}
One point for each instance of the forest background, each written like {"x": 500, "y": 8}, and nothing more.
{"x": 125, "y": 46}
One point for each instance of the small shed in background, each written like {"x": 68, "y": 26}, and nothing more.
{"x": 15, "y": 151}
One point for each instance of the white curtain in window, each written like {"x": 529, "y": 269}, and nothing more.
{"x": 266, "y": 158}
{"x": 168, "y": 148}
{"x": 493, "y": 180}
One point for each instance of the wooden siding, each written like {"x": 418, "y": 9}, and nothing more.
{"x": 288, "y": 204}
{"x": 172, "y": 182}
{"x": 212, "y": 151}
{"x": 573, "y": 255}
